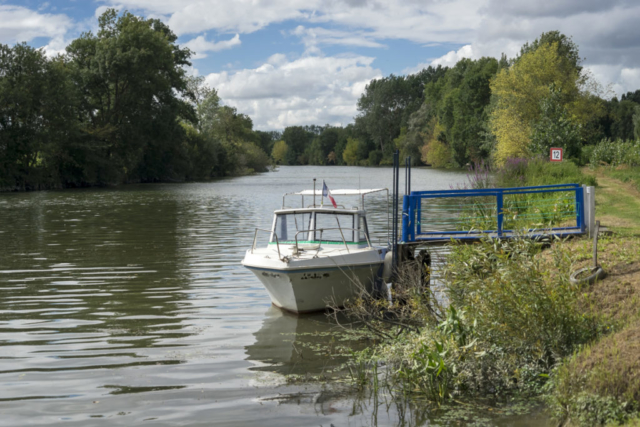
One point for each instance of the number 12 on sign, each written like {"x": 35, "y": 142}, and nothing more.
{"x": 556, "y": 155}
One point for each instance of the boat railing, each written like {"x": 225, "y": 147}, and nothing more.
{"x": 255, "y": 236}
{"x": 322, "y": 230}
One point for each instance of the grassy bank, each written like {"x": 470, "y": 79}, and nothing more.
{"x": 515, "y": 325}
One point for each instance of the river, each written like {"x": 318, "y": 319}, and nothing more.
{"x": 128, "y": 305}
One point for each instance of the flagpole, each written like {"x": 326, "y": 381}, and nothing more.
{"x": 314, "y": 192}
{"x": 322, "y": 200}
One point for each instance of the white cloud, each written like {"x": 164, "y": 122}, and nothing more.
{"x": 314, "y": 37}
{"x": 416, "y": 20}
{"x": 18, "y": 24}
{"x": 606, "y": 33}
{"x": 241, "y": 16}
{"x": 200, "y": 45}
{"x": 306, "y": 90}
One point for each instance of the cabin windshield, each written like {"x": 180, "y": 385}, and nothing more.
{"x": 332, "y": 227}
{"x": 288, "y": 225}
{"x": 317, "y": 227}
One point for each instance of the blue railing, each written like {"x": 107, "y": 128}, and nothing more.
{"x": 498, "y": 212}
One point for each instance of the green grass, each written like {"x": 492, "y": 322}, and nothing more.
{"x": 617, "y": 204}
{"x": 631, "y": 175}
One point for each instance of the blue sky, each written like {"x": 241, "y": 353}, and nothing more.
{"x": 296, "y": 62}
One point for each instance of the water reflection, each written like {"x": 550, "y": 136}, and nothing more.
{"x": 295, "y": 345}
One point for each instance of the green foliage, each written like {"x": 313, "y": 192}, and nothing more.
{"x": 616, "y": 153}
{"x": 117, "y": 107}
{"x": 297, "y": 139}
{"x": 517, "y": 303}
{"x": 546, "y": 72}
{"x": 350, "y": 153}
{"x": 540, "y": 171}
{"x": 554, "y": 127}
{"x": 513, "y": 315}
{"x": 567, "y": 48}
{"x": 436, "y": 152}
{"x": 36, "y": 139}
{"x": 375, "y": 157}
{"x": 459, "y": 100}
{"x": 279, "y": 153}
{"x": 387, "y": 103}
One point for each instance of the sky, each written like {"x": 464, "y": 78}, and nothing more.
{"x": 303, "y": 62}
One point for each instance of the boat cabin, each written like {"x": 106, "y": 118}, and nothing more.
{"x": 311, "y": 227}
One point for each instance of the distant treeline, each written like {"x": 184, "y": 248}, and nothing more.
{"x": 486, "y": 110}
{"x": 117, "y": 107}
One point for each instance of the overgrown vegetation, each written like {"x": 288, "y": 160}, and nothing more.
{"x": 511, "y": 317}
{"x": 511, "y": 323}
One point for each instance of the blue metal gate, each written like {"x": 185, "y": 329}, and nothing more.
{"x": 434, "y": 216}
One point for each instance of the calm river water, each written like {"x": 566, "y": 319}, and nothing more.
{"x": 129, "y": 305}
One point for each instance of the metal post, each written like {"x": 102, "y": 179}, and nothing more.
{"x": 590, "y": 206}
{"x": 314, "y": 192}
{"x": 595, "y": 244}
{"x": 406, "y": 177}
{"x": 499, "y": 207}
{"x": 405, "y": 218}
{"x": 581, "y": 219}
{"x": 396, "y": 188}
{"x": 409, "y": 175}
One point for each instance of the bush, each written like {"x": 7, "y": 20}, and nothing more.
{"x": 375, "y": 157}
{"x": 615, "y": 153}
{"x": 252, "y": 158}
{"x": 540, "y": 171}
{"x": 517, "y": 304}
{"x": 512, "y": 317}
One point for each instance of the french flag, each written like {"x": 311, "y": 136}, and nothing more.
{"x": 327, "y": 193}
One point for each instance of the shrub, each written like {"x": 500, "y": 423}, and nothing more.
{"x": 375, "y": 157}
{"x": 539, "y": 171}
{"x": 615, "y": 153}
{"x": 517, "y": 304}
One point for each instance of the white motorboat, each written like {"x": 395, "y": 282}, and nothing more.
{"x": 317, "y": 256}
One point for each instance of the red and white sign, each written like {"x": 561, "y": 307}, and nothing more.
{"x": 556, "y": 155}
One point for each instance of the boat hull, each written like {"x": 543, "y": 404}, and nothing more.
{"x": 309, "y": 290}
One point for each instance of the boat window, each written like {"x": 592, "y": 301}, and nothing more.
{"x": 332, "y": 224}
{"x": 363, "y": 229}
{"x": 288, "y": 225}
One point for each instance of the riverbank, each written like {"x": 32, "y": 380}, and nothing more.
{"x": 600, "y": 384}
{"x": 517, "y": 328}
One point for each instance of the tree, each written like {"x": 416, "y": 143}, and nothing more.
{"x": 350, "y": 153}
{"x": 279, "y": 153}
{"x": 555, "y": 128}
{"x": 436, "y": 151}
{"x": 460, "y": 99}
{"x": 332, "y": 158}
{"x": 387, "y": 103}
{"x": 297, "y": 139}
{"x": 636, "y": 123}
{"x": 520, "y": 90}
{"x": 36, "y": 102}
{"x": 565, "y": 45}
{"x": 133, "y": 86}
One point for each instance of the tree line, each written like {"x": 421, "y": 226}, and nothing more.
{"x": 484, "y": 110}
{"x": 117, "y": 107}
